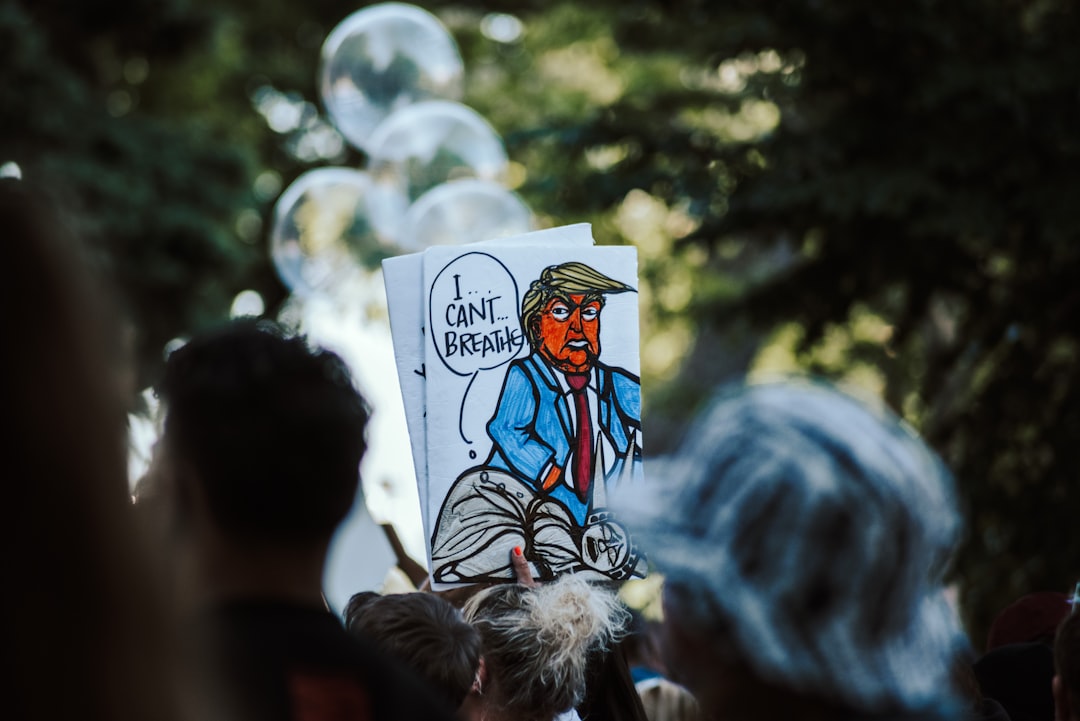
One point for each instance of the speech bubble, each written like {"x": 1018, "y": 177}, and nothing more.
{"x": 473, "y": 314}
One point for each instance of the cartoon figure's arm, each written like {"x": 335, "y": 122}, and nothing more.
{"x": 513, "y": 429}
{"x": 626, "y": 396}
{"x": 551, "y": 477}
{"x": 627, "y": 391}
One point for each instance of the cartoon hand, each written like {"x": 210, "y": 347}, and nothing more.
{"x": 552, "y": 478}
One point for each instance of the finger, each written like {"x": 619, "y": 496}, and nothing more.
{"x": 521, "y": 568}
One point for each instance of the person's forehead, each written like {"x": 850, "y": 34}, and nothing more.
{"x": 573, "y": 299}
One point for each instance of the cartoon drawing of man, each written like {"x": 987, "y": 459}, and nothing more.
{"x": 566, "y": 423}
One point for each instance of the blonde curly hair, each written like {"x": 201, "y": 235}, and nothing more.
{"x": 538, "y": 642}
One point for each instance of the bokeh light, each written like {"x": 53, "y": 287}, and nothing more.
{"x": 247, "y": 303}
{"x": 172, "y": 346}
{"x": 501, "y": 27}
{"x": 11, "y": 169}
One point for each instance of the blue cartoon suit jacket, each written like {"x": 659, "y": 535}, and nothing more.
{"x": 532, "y": 424}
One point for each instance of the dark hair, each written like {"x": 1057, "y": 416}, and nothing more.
{"x": 273, "y": 429}
{"x": 425, "y": 632}
{"x": 641, "y": 644}
{"x": 1067, "y": 653}
{"x": 356, "y": 605}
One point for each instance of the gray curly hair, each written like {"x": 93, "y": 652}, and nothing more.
{"x": 537, "y": 642}
{"x": 810, "y": 531}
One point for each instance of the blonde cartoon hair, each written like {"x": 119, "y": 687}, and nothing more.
{"x": 538, "y": 642}
{"x": 563, "y": 281}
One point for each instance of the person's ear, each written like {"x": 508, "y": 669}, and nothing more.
{"x": 1062, "y": 701}
{"x": 481, "y": 678}
{"x": 164, "y": 487}
{"x": 188, "y": 507}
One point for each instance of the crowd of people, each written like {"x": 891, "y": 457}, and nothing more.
{"x": 802, "y": 534}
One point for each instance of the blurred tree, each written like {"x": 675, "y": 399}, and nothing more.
{"x": 885, "y": 190}
{"x": 879, "y": 192}
{"x": 920, "y": 181}
{"x": 156, "y": 197}
{"x": 923, "y": 171}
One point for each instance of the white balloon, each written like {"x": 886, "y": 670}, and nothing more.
{"x": 425, "y": 145}
{"x": 464, "y": 211}
{"x": 322, "y": 232}
{"x": 383, "y": 58}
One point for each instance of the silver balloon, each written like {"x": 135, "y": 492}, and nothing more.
{"x": 425, "y": 145}
{"x": 382, "y": 58}
{"x": 464, "y": 211}
{"x": 322, "y": 232}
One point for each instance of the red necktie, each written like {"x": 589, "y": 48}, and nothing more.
{"x": 582, "y": 452}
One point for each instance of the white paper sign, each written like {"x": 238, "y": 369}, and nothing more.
{"x": 518, "y": 362}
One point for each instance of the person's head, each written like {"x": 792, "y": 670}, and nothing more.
{"x": 537, "y": 644}
{"x": 356, "y": 605}
{"x": 665, "y": 700}
{"x": 1066, "y": 684}
{"x": 1019, "y": 676}
{"x": 71, "y": 544}
{"x": 426, "y": 633}
{"x": 1032, "y": 618}
{"x": 640, "y": 643}
{"x": 265, "y": 431}
{"x": 560, "y": 313}
{"x": 63, "y": 344}
{"x": 802, "y": 536}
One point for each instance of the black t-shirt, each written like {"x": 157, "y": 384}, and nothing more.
{"x": 274, "y": 661}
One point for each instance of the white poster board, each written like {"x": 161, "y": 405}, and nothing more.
{"x": 518, "y": 361}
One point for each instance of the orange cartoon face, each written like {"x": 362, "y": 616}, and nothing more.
{"x": 570, "y": 332}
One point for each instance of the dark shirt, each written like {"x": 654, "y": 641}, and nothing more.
{"x": 988, "y": 710}
{"x": 610, "y": 694}
{"x": 949, "y": 711}
{"x": 1019, "y": 676}
{"x": 273, "y": 661}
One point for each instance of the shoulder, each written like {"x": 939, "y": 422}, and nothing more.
{"x": 616, "y": 376}
{"x": 521, "y": 372}
{"x": 535, "y": 369}
{"x": 946, "y": 711}
{"x": 314, "y": 663}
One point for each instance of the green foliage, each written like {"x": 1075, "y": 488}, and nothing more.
{"x": 923, "y": 170}
{"x": 880, "y": 192}
{"x": 155, "y": 198}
